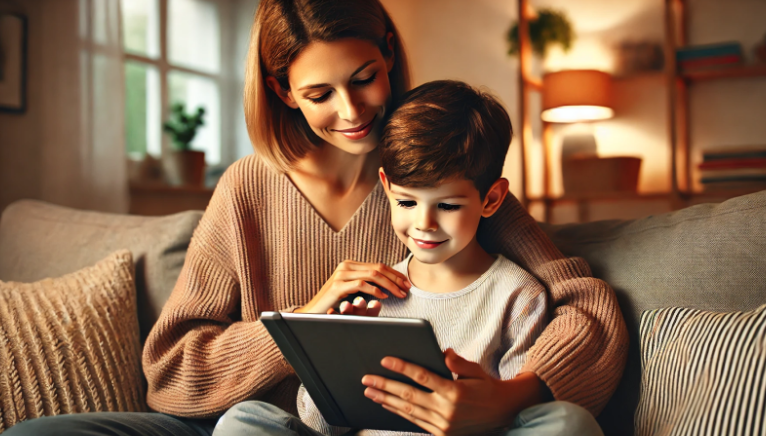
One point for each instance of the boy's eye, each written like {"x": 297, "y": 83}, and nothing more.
{"x": 407, "y": 204}
{"x": 319, "y": 99}
{"x": 449, "y": 207}
{"x": 366, "y": 81}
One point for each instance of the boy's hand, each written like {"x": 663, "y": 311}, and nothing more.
{"x": 351, "y": 277}
{"x": 474, "y": 403}
{"x": 359, "y": 307}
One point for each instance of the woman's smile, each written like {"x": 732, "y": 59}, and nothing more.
{"x": 359, "y": 132}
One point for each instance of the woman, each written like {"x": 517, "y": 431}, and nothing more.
{"x": 306, "y": 213}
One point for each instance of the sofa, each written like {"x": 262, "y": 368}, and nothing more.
{"x": 709, "y": 257}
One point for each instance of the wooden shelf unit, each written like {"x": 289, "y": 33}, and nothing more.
{"x": 677, "y": 85}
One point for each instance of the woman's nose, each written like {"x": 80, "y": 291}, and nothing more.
{"x": 351, "y": 108}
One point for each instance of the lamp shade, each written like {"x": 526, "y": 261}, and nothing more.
{"x": 577, "y": 95}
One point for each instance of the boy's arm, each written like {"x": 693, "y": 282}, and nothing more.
{"x": 582, "y": 352}
{"x": 526, "y": 319}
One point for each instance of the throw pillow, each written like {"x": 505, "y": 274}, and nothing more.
{"x": 70, "y": 344}
{"x": 703, "y": 373}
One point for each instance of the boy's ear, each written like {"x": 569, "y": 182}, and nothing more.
{"x": 284, "y": 95}
{"x": 495, "y": 197}
{"x": 383, "y": 178}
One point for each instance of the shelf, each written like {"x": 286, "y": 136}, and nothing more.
{"x": 608, "y": 196}
{"x": 641, "y": 76}
{"x": 755, "y": 70}
{"x": 157, "y": 187}
{"x": 723, "y": 193}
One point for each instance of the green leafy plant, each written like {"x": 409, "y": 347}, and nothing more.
{"x": 550, "y": 27}
{"x": 182, "y": 127}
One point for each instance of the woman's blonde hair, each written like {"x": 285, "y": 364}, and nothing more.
{"x": 281, "y": 30}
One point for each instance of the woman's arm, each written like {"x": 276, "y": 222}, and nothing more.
{"x": 582, "y": 352}
{"x": 199, "y": 358}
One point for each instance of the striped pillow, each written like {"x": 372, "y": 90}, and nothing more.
{"x": 703, "y": 373}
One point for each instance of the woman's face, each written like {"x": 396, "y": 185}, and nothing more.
{"x": 342, "y": 89}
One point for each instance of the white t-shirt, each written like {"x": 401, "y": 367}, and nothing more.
{"x": 493, "y": 322}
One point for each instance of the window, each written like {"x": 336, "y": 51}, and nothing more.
{"x": 172, "y": 53}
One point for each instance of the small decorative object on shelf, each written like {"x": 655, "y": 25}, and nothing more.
{"x": 709, "y": 57}
{"x": 638, "y": 57}
{"x": 760, "y": 50}
{"x": 184, "y": 166}
{"x": 548, "y": 28}
{"x": 600, "y": 175}
{"x": 733, "y": 167}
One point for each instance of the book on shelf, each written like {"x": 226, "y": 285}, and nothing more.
{"x": 747, "y": 185}
{"x": 693, "y": 52}
{"x": 734, "y": 163}
{"x": 710, "y": 63}
{"x": 734, "y": 153}
{"x": 735, "y": 172}
{"x": 735, "y": 167}
{"x": 709, "y": 57}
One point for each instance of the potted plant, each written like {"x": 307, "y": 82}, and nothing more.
{"x": 548, "y": 28}
{"x": 184, "y": 166}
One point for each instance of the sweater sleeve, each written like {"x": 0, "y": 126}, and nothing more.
{"x": 582, "y": 352}
{"x": 200, "y": 358}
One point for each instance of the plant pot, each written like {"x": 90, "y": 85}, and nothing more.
{"x": 600, "y": 175}
{"x": 185, "y": 167}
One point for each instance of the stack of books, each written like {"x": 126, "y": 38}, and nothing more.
{"x": 707, "y": 57}
{"x": 734, "y": 168}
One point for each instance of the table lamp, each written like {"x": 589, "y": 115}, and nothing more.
{"x": 578, "y": 96}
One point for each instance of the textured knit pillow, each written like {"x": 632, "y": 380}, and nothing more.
{"x": 70, "y": 344}
{"x": 703, "y": 373}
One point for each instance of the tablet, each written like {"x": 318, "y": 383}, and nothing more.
{"x": 331, "y": 354}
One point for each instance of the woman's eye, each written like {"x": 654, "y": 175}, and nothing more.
{"x": 319, "y": 99}
{"x": 449, "y": 207}
{"x": 405, "y": 203}
{"x": 366, "y": 81}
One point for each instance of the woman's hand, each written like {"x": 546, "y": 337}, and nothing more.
{"x": 474, "y": 403}
{"x": 351, "y": 277}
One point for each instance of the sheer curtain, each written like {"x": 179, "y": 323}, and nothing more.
{"x": 83, "y": 142}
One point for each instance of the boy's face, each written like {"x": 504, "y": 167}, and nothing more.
{"x": 436, "y": 223}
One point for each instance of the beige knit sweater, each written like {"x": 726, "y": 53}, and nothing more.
{"x": 261, "y": 246}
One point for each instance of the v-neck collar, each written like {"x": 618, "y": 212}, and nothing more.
{"x": 373, "y": 193}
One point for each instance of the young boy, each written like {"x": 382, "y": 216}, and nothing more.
{"x": 442, "y": 153}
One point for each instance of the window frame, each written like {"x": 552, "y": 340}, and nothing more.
{"x": 165, "y": 67}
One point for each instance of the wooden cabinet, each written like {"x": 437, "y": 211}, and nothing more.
{"x": 160, "y": 199}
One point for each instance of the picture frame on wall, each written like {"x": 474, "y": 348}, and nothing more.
{"x": 13, "y": 62}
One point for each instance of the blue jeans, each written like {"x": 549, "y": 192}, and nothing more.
{"x": 547, "y": 419}
{"x": 257, "y": 418}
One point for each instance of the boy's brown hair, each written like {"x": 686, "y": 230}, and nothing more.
{"x": 444, "y": 130}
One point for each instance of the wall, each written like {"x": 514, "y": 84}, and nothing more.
{"x": 20, "y": 135}
{"x": 462, "y": 40}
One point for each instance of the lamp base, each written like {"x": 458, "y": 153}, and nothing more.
{"x": 600, "y": 175}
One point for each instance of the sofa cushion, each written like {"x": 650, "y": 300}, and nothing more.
{"x": 703, "y": 372}
{"x": 708, "y": 256}
{"x": 39, "y": 240}
{"x": 70, "y": 344}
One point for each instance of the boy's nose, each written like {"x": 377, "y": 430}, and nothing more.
{"x": 426, "y": 223}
